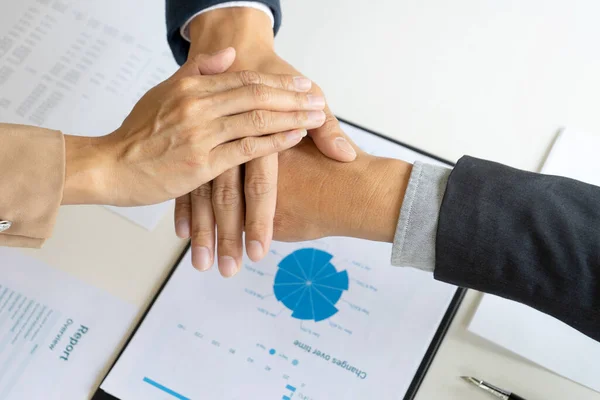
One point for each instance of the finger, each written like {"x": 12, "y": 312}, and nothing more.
{"x": 241, "y": 151}
{"x": 260, "y": 122}
{"x": 183, "y": 216}
{"x": 260, "y": 189}
{"x": 228, "y": 206}
{"x": 216, "y": 63}
{"x": 332, "y": 141}
{"x": 263, "y": 97}
{"x": 235, "y": 80}
{"x": 203, "y": 227}
{"x": 206, "y": 64}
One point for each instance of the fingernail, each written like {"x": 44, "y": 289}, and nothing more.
{"x": 255, "y": 250}
{"x": 201, "y": 258}
{"x": 296, "y": 135}
{"x": 302, "y": 83}
{"x": 182, "y": 228}
{"x": 316, "y": 116}
{"x": 344, "y": 146}
{"x": 228, "y": 266}
{"x": 316, "y": 101}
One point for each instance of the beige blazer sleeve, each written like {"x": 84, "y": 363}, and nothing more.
{"x": 32, "y": 174}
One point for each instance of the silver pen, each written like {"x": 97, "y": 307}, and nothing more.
{"x": 491, "y": 389}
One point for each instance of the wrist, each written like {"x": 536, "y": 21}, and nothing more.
{"x": 375, "y": 189}
{"x": 248, "y": 30}
{"x": 87, "y": 170}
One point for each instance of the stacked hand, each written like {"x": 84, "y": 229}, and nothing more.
{"x": 361, "y": 199}
{"x": 189, "y": 130}
{"x": 244, "y": 200}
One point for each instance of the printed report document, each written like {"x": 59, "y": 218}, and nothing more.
{"x": 57, "y": 334}
{"x": 325, "y": 319}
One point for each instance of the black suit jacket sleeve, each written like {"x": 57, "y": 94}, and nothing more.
{"x": 528, "y": 237}
{"x": 179, "y": 11}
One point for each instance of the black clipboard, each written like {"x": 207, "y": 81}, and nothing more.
{"x": 451, "y": 311}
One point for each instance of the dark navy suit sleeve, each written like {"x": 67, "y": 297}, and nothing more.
{"x": 528, "y": 237}
{"x": 179, "y": 11}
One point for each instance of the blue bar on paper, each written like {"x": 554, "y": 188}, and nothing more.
{"x": 290, "y": 388}
{"x": 165, "y": 389}
{"x": 285, "y": 398}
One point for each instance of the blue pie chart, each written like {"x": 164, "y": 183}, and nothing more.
{"x": 309, "y": 285}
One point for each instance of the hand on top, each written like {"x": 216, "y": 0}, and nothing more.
{"x": 239, "y": 199}
{"x": 189, "y": 130}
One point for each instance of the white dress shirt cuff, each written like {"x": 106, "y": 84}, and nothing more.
{"x": 414, "y": 242}
{"x": 185, "y": 31}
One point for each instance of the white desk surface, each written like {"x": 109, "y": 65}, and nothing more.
{"x": 493, "y": 79}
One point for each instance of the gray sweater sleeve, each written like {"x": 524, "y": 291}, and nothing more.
{"x": 414, "y": 241}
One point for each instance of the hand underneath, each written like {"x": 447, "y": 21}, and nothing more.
{"x": 237, "y": 200}
{"x": 360, "y": 199}
{"x": 185, "y": 132}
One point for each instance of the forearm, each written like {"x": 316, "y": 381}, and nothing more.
{"x": 373, "y": 198}
{"x": 32, "y": 169}
{"x": 248, "y": 30}
{"x": 179, "y": 12}
{"x": 528, "y": 237}
{"x": 361, "y": 199}
{"x": 400, "y": 204}
{"x": 87, "y": 170}
{"x": 319, "y": 197}
{"x": 43, "y": 169}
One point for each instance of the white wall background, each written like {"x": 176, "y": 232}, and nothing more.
{"x": 488, "y": 78}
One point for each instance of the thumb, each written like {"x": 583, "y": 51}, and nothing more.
{"x": 216, "y": 63}
{"x": 332, "y": 141}
{"x": 207, "y": 64}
